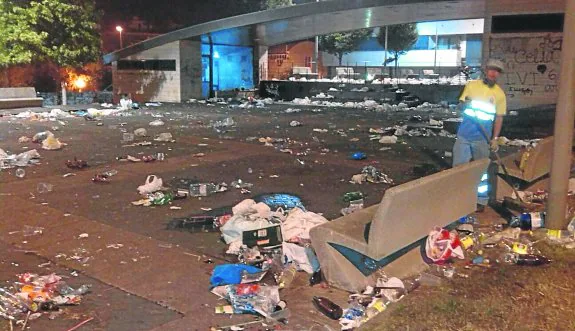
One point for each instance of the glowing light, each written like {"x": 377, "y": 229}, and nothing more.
{"x": 216, "y": 55}
{"x": 80, "y": 83}
{"x": 119, "y": 29}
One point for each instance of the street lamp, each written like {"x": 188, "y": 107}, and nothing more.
{"x": 120, "y": 29}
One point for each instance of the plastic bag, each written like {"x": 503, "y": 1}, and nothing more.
{"x": 442, "y": 245}
{"x": 52, "y": 143}
{"x": 253, "y": 298}
{"x": 226, "y": 274}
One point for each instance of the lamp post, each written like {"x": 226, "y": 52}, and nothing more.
{"x": 120, "y": 29}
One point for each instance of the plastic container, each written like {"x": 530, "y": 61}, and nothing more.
{"x": 20, "y": 173}
{"x": 44, "y": 188}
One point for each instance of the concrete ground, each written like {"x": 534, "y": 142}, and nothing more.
{"x": 159, "y": 278}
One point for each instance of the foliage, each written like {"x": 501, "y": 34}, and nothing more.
{"x": 273, "y": 4}
{"x": 400, "y": 38}
{"x": 61, "y": 31}
{"x": 339, "y": 44}
{"x": 19, "y": 43}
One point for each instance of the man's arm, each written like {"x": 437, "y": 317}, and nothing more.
{"x": 497, "y": 126}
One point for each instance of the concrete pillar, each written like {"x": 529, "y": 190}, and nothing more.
{"x": 485, "y": 54}
{"x": 190, "y": 70}
{"x": 564, "y": 121}
{"x": 260, "y": 64}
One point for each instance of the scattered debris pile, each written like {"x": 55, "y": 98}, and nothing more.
{"x": 36, "y": 296}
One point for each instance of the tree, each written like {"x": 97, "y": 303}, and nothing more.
{"x": 19, "y": 43}
{"x": 339, "y": 44}
{"x": 273, "y": 4}
{"x": 64, "y": 32}
{"x": 400, "y": 38}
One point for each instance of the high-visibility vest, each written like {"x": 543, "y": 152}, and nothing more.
{"x": 480, "y": 110}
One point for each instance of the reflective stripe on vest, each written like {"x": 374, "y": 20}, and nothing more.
{"x": 481, "y": 110}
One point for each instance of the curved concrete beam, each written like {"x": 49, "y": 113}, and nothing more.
{"x": 304, "y": 21}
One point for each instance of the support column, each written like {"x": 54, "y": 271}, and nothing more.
{"x": 564, "y": 121}
{"x": 211, "y": 83}
{"x": 485, "y": 44}
{"x": 190, "y": 70}
{"x": 260, "y": 64}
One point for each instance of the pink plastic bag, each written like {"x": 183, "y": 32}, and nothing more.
{"x": 442, "y": 245}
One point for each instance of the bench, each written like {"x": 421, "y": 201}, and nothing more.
{"x": 351, "y": 248}
{"x": 536, "y": 166}
{"x": 345, "y": 72}
{"x": 303, "y": 71}
{"x": 430, "y": 74}
{"x": 19, "y": 97}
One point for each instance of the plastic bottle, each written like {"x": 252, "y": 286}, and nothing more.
{"x": 287, "y": 276}
{"x": 571, "y": 226}
{"x": 328, "y": 308}
{"x": 375, "y": 307}
{"x": 532, "y": 221}
{"x": 526, "y": 259}
{"x": 44, "y": 188}
{"x": 82, "y": 290}
{"x": 202, "y": 189}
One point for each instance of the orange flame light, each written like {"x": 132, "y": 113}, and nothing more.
{"x": 77, "y": 81}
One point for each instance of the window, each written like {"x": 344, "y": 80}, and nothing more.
{"x": 155, "y": 65}
{"x": 423, "y": 43}
{"x": 527, "y": 23}
{"x": 448, "y": 42}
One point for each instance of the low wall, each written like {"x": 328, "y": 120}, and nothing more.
{"x": 76, "y": 98}
{"x": 289, "y": 90}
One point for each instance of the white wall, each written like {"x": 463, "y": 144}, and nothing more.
{"x": 148, "y": 85}
{"x": 532, "y": 67}
{"x": 474, "y": 26}
{"x": 415, "y": 58}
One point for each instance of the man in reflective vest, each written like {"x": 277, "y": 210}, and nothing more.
{"x": 483, "y": 105}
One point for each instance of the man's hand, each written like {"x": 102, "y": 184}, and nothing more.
{"x": 495, "y": 144}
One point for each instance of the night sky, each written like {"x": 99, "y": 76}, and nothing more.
{"x": 181, "y": 12}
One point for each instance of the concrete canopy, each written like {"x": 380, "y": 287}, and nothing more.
{"x": 278, "y": 26}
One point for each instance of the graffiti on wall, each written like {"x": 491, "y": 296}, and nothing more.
{"x": 532, "y": 66}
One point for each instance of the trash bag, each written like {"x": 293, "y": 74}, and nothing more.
{"x": 141, "y": 132}
{"x": 164, "y": 137}
{"x": 441, "y": 245}
{"x": 52, "y": 143}
{"x": 304, "y": 257}
{"x": 226, "y": 274}
{"x": 298, "y": 224}
{"x": 253, "y": 298}
{"x": 235, "y": 226}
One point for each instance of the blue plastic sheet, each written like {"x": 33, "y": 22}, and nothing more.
{"x": 227, "y": 274}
